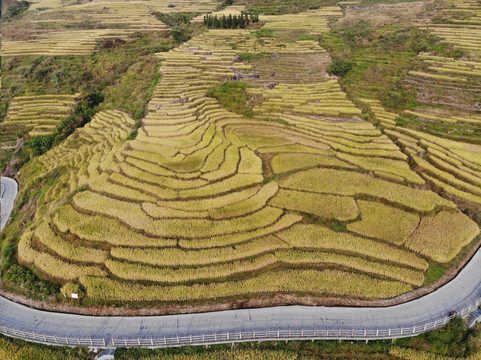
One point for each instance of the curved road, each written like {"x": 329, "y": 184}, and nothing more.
{"x": 462, "y": 295}
{"x": 9, "y": 191}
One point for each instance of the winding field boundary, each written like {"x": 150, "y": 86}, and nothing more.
{"x": 459, "y": 297}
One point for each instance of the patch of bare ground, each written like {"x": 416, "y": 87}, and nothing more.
{"x": 407, "y": 13}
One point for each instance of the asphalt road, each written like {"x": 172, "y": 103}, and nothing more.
{"x": 9, "y": 193}
{"x": 461, "y": 293}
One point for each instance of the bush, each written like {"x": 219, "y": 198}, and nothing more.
{"x": 180, "y": 34}
{"x": 399, "y": 97}
{"x": 339, "y": 67}
{"x": 23, "y": 278}
{"x": 15, "y": 8}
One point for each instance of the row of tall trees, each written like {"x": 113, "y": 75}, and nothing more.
{"x": 231, "y": 21}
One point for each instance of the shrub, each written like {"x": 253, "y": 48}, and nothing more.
{"x": 15, "y": 8}
{"x": 180, "y": 34}
{"x": 339, "y": 67}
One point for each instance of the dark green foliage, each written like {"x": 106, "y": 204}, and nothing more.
{"x": 230, "y": 22}
{"x": 14, "y": 8}
{"x": 452, "y": 340}
{"x": 181, "y": 34}
{"x": 24, "y": 278}
{"x": 83, "y": 113}
{"x": 339, "y": 67}
{"x": 175, "y": 19}
{"x": 338, "y": 227}
{"x": 41, "y": 144}
{"x": 399, "y": 97}
{"x": 8, "y": 255}
{"x": 232, "y": 96}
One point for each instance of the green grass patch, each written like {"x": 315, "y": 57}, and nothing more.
{"x": 263, "y": 32}
{"x": 232, "y": 96}
{"x": 250, "y": 57}
{"x": 434, "y": 272}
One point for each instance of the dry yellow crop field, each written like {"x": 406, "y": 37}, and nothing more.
{"x": 442, "y": 236}
{"x": 68, "y": 42}
{"x": 384, "y": 222}
{"x": 464, "y": 33}
{"x": 204, "y": 203}
{"x": 37, "y": 115}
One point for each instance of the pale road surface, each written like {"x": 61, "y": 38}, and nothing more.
{"x": 359, "y": 323}
{"x": 9, "y": 193}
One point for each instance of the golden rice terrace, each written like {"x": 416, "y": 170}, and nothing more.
{"x": 304, "y": 196}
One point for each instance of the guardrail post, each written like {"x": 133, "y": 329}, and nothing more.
{"x": 178, "y": 341}
{"x": 91, "y": 342}
{"x": 377, "y": 332}
{"x": 389, "y": 332}
{"x": 302, "y": 332}
{"x": 191, "y": 337}
{"x": 66, "y": 340}
{"x": 203, "y": 337}
{"x": 152, "y": 341}
{"x": 54, "y": 338}
{"x": 278, "y": 333}
{"x": 425, "y": 327}
{"x": 402, "y": 329}
{"x": 103, "y": 340}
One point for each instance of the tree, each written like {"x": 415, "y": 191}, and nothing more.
{"x": 242, "y": 23}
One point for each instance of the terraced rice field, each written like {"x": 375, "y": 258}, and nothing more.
{"x": 55, "y": 43}
{"x": 306, "y": 197}
{"x": 53, "y": 23}
{"x": 38, "y": 115}
{"x": 464, "y": 33}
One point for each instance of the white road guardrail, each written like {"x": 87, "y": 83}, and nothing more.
{"x": 51, "y": 339}
{"x": 230, "y": 337}
{"x": 297, "y": 334}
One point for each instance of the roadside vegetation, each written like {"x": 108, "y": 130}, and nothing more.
{"x": 450, "y": 342}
